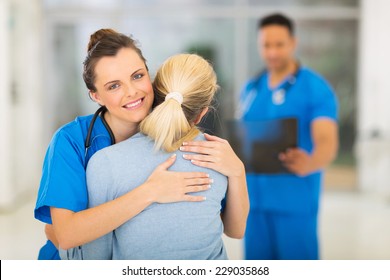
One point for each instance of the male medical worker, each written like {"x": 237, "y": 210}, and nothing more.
{"x": 282, "y": 223}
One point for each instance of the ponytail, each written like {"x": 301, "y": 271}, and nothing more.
{"x": 168, "y": 126}
{"x": 184, "y": 86}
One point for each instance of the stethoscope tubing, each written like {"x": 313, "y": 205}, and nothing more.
{"x": 101, "y": 111}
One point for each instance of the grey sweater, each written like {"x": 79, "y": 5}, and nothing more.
{"x": 182, "y": 230}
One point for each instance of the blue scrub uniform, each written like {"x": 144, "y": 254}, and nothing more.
{"x": 63, "y": 182}
{"x": 282, "y": 222}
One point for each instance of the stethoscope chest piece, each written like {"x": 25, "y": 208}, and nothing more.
{"x": 278, "y": 96}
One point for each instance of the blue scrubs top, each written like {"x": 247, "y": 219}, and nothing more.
{"x": 309, "y": 98}
{"x": 63, "y": 182}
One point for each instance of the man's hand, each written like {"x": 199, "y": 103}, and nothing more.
{"x": 297, "y": 161}
{"x": 325, "y": 146}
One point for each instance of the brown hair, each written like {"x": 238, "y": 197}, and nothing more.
{"x": 105, "y": 42}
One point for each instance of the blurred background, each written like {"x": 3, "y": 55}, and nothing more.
{"x": 43, "y": 44}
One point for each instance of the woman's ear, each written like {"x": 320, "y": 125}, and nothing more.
{"x": 95, "y": 97}
{"x": 201, "y": 115}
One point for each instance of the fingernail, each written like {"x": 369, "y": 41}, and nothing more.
{"x": 208, "y": 175}
{"x": 174, "y": 155}
{"x": 184, "y": 143}
{"x": 181, "y": 148}
{"x": 204, "y": 198}
{"x": 211, "y": 181}
{"x": 185, "y": 156}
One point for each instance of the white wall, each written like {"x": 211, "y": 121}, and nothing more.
{"x": 27, "y": 80}
{"x": 373, "y": 147}
{"x": 21, "y": 99}
{"x": 5, "y": 102}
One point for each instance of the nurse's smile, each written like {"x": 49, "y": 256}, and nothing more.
{"x": 135, "y": 104}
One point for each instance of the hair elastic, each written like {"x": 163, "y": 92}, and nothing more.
{"x": 175, "y": 95}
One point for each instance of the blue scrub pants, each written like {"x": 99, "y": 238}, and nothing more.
{"x": 48, "y": 252}
{"x": 281, "y": 236}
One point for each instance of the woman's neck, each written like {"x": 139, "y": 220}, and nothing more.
{"x": 122, "y": 130}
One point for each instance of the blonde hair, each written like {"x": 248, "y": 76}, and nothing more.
{"x": 172, "y": 123}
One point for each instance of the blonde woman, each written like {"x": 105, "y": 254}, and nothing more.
{"x": 184, "y": 88}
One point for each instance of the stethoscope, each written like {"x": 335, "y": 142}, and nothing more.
{"x": 278, "y": 95}
{"x": 101, "y": 111}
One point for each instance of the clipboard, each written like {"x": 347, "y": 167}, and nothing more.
{"x": 259, "y": 143}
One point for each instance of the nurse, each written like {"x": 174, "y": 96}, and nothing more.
{"x": 282, "y": 222}
{"x": 116, "y": 71}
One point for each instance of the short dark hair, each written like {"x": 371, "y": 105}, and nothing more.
{"x": 277, "y": 19}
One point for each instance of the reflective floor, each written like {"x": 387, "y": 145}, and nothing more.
{"x": 352, "y": 226}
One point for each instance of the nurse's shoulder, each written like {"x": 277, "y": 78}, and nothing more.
{"x": 74, "y": 129}
{"x": 313, "y": 79}
{"x": 71, "y": 135}
{"x": 255, "y": 81}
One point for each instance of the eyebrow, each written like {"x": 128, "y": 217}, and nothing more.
{"x": 111, "y": 82}
{"x": 137, "y": 71}
{"x": 115, "y": 81}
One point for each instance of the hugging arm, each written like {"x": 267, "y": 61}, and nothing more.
{"x": 77, "y": 228}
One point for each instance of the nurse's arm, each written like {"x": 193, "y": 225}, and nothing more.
{"x": 325, "y": 147}
{"x": 236, "y": 210}
{"x": 325, "y": 138}
{"x": 50, "y": 235}
{"x": 77, "y": 228}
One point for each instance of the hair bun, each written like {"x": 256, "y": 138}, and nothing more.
{"x": 98, "y": 35}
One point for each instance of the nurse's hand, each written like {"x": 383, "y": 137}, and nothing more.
{"x": 168, "y": 186}
{"x": 215, "y": 153}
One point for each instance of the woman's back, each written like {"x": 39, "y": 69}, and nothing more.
{"x": 181, "y": 230}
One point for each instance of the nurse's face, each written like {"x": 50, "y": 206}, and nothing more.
{"x": 124, "y": 87}
{"x": 276, "y": 46}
